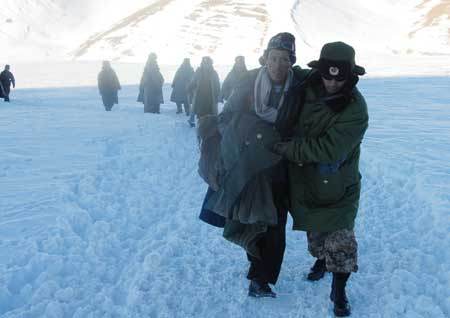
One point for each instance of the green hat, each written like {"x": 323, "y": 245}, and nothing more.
{"x": 338, "y": 53}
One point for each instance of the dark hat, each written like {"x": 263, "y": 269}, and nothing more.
{"x": 337, "y": 59}
{"x": 282, "y": 41}
{"x": 239, "y": 58}
{"x": 206, "y": 60}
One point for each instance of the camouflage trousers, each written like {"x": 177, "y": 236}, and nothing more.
{"x": 338, "y": 248}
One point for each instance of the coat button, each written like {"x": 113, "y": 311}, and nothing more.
{"x": 325, "y": 181}
{"x": 259, "y": 136}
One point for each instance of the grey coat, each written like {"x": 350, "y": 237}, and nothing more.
{"x": 205, "y": 87}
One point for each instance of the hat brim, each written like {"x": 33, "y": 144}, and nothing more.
{"x": 358, "y": 70}
{"x": 314, "y": 64}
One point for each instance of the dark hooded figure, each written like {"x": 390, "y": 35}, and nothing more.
{"x": 108, "y": 86}
{"x": 205, "y": 87}
{"x": 150, "y": 89}
{"x": 6, "y": 79}
{"x": 182, "y": 78}
{"x": 236, "y": 74}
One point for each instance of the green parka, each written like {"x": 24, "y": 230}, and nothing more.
{"x": 324, "y": 173}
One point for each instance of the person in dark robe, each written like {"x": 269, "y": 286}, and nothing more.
{"x": 150, "y": 88}
{"x": 7, "y": 79}
{"x": 180, "y": 94}
{"x": 108, "y": 86}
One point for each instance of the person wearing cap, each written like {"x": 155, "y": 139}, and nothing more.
{"x": 150, "y": 87}
{"x": 252, "y": 180}
{"x": 323, "y": 155}
{"x": 6, "y": 79}
{"x": 180, "y": 95}
{"x": 234, "y": 76}
{"x": 108, "y": 85}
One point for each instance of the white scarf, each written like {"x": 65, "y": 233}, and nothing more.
{"x": 263, "y": 87}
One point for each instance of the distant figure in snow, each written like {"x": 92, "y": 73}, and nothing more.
{"x": 108, "y": 86}
{"x": 6, "y": 79}
{"x": 150, "y": 88}
{"x": 180, "y": 83}
{"x": 205, "y": 88}
{"x": 236, "y": 74}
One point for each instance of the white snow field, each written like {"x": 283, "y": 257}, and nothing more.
{"x": 99, "y": 213}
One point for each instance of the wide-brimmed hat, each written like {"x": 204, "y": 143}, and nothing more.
{"x": 337, "y": 59}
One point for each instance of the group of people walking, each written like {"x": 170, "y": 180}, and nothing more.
{"x": 197, "y": 92}
{"x": 288, "y": 142}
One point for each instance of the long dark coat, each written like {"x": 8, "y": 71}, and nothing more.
{"x": 206, "y": 89}
{"x": 2, "y": 93}
{"x": 231, "y": 81}
{"x": 7, "y": 78}
{"x": 249, "y": 167}
{"x": 180, "y": 83}
{"x": 108, "y": 86}
{"x": 150, "y": 88}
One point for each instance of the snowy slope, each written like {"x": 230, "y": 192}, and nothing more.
{"x": 98, "y": 213}
{"x": 393, "y": 37}
{"x": 387, "y": 35}
{"x": 176, "y": 29}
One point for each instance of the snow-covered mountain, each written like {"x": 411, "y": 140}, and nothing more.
{"x": 388, "y": 34}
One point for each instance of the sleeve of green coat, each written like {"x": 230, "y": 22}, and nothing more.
{"x": 338, "y": 141}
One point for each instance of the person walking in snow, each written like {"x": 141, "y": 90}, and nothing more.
{"x": 323, "y": 155}
{"x": 205, "y": 88}
{"x": 252, "y": 180}
{"x": 180, "y": 83}
{"x": 234, "y": 76}
{"x": 108, "y": 86}
{"x": 150, "y": 88}
{"x": 6, "y": 79}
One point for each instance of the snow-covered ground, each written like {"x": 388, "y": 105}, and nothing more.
{"x": 98, "y": 213}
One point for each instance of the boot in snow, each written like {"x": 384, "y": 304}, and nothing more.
{"x": 259, "y": 289}
{"x": 338, "y": 296}
{"x": 318, "y": 270}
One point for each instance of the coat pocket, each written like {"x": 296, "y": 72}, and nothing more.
{"x": 327, "y": 184}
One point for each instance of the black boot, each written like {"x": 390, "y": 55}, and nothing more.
{"x": 338, "y": 296}
{"x": 259, "y": 289}
{"x": 318, "y": 270}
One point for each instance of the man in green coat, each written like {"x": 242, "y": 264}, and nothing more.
{"x": 324, "y": 166}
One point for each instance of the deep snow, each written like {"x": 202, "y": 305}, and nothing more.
{"x": 98, "y": 213}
